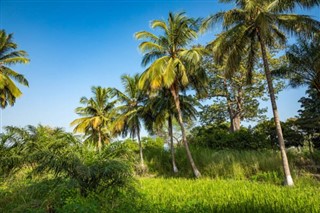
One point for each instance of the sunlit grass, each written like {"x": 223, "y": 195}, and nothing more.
{"x": 207, "y": 195}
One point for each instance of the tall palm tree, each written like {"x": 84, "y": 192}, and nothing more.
{"x": 97, "y": 116}
{"x": 9, "y": 55}
{"x": 171, "y": 63}
{"x": 259, "y": 25}
{"x": 131, "y": 109}
{"x": 162, "y": 110}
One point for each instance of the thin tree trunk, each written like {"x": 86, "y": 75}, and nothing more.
{"x": 234, "y": 123}
{"x": 285, "y": 164}
{"x": 175, "y": 95}
{"x": 309, "y": 143}
{"x": 237, "y": 114}
{"x": 99, "y": 141}
{"x": 140, "y": 148}
{"x": 174, "y": 166}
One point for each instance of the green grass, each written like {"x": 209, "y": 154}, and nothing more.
{"x": 264, "y": 165}
{"x": 207, "y": 195}
{"x": 163, "y": 195}
{"x": 232, "y": 181}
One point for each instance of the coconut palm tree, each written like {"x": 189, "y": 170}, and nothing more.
{"x": 163, "y": 112}
{"x": 131, "y": 109}
{"x": 304, "y": 64}
{"x": 96, "y": 117}
{"x": 171, "y": 63}
{"x": 9, "y": 55}
{"x": 255, "y": 26}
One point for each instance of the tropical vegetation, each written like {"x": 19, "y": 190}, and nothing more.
{"x": 9, "y": 55}
{"x": 192, "y": 100}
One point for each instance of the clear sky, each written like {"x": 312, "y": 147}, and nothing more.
{"x": 76, "y": 44}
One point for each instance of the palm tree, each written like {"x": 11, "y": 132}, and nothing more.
{"x": 131, "y": 109}
{"x": 304, "y": 64}
{"x": 171, "y": 62}
{"x": 255, "y": 24}
{"x": 10, "y": 56}
{"x": 162, "y": 110}
{"x": 96, "y": 117}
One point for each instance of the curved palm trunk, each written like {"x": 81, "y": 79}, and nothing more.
{"x": 174, "y": 166}
{"x": 140, "y": 148}
{"x": 285, "y": 163}
{"x": 175, "y": 95}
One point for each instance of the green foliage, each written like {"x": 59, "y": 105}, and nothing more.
{"x": 97, "y": 115}
{"x": 292, "y": 135}
{"x": 91, "y": 171}
{"x": 204, "y": 195}
{"x": 47, "y": 150}
{"x": 221, "y": 164}
{"x": 132, "y": 101}
{"x": 232, "y": 97}
{"x": 69, "y": 177}
{"x": 219, "y": 137}
{"x": 304, "y": 64}
{"x": 20, "y": 147}
{"x": 309, "y": 117}
{"x": 9, "y": 55}
{"x": 38, "y": 195}
{"x": 150, "y": 143}
{"x": 164, "y": 195}
{"x": 81, "y": 204}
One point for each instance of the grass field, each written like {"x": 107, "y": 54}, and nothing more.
{"x": 206, "y": 195}
{"x": 232, "y": 181}
{"x": 168, "y": 195}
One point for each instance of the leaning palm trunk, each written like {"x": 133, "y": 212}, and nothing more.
{"x": 285, "y": 164}
{"x": 175, "y": 95}
{"x": 174, "y": 166}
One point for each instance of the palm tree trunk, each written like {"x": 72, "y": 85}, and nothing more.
{"x": 175, "y": 95}
{"x": 285, "y": 164}
{"x": 99, "y": 141}
{"x": 140, "y": 148}
{"x": 174, "y": 166}
{"x": 237, "y": 113}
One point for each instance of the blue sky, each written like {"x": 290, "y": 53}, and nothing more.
{"x": 75, "y": 44}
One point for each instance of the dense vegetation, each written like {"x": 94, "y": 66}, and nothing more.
{"x": 237, "y": 169}
{"x": 48, "y": 170}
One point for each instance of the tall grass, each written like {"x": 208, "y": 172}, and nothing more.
{"x": 205, "y": 195}
{"x": 163, "y": 195}
{"x": 263, "y": 165}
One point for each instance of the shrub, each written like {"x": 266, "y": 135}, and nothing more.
{"x": 219, "y": 137}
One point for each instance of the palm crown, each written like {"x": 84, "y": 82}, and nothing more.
{"x": 168, "y": 52}
{"x": 250, "y": 23}
{"x": 10, "y": 56}
{"x": 96, "y": 117}
{"x": 131, "y": 106}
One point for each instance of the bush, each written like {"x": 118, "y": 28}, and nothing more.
{"x": 219, "y": 137}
